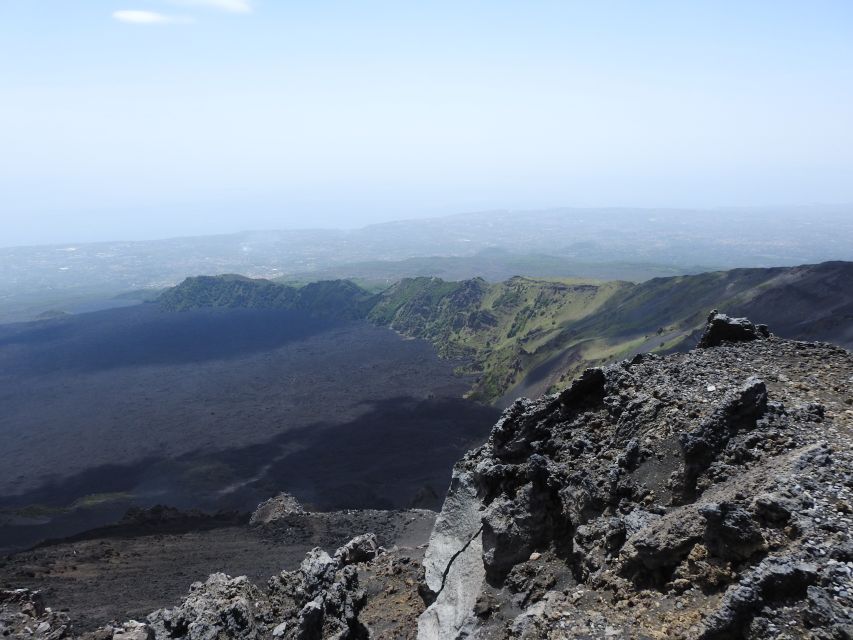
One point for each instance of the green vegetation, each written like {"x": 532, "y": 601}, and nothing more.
{"x": 340, "y": 299}
{"x": 90, "y": 501}
{"x": 500, "y": 328}
{"x": 493, "y": 265}
{"x": 522, "y": 336}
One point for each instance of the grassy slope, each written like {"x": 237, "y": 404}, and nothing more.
{"x": 499, "y": 327}
{"x": 659, "y": 316}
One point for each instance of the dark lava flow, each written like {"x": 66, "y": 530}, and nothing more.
{"x": 217, "y": 410}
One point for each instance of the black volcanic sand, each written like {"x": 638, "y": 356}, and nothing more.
{"x": 127, "y": 573}
{"x": 219, "y": 409}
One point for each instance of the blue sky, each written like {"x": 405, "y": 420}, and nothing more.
{"x": 205, "y": 116}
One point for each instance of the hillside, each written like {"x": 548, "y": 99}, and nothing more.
{"x": 525, "y": 336}
{"x": 338, "y": 299}
{"x": 702, "y": 496}
{"x": 497, "y": 327}
{"x": 630, "y": 244}
{"x": 493, "y": 265}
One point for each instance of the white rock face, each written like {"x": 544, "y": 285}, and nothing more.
{"x": 457, "y": 541}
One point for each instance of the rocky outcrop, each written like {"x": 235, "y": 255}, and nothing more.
{"x": 721, "y": 328}
{"x": 321, "y": 599}
{"x": 363, "y": 548}
{"x": 23, "y": 614}
{"x": 275, "y": 508}
{"x": 699, "y": 495}
{"x": 219, "y": 607}
{"x": 452, "y": 563}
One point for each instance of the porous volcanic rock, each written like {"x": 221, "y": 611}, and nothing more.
{"x": 275, "y": 508}
{"x": 23, "y": 614}
{"x": 698, "y": 495}
{"x": 321, "y": 599}
{"x": 721, "y": 328}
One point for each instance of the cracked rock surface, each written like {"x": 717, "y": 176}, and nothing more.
{"x": 699, "y": 495}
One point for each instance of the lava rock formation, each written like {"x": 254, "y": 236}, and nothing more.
{"x": 704, "y": 495}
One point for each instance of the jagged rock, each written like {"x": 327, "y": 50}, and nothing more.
{"x": 318, "y": 570}
{"x": 514, "y": 528}
{"x": 360, "y": 549}
{"x": 324, "y": 595}
{"x": 333, "y": 612}
{"x": 822, "y": 610}
{"x": 692, "y": 495}
{"x": 587, "y": 389}
{"x": 772, "y": 508}
{"x": 721, "y": 328}
{"x": 278, "y": 507}
{"x": 775, "y": 579}
{"x": 659, "y": 545}
{"x": 320, "y": 600}
{"x": 730, "y": 531}
{"x": 843, "y": 551}
{"x": 23, "y": 614}
{"x": 133, "y": 630}
{"x": 220, "y": 607}
{"x": 739, "y": 410}
{"x": 26, "y": 601}
{"x": 310, "y": 624}
{"x": 453, "y": 566}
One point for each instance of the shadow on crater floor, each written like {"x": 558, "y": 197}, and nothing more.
{"x": 146, "y": 335}
{"x": 397, "y": 454}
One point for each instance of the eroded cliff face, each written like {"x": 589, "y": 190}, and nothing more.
{"x": 702, "y": 495}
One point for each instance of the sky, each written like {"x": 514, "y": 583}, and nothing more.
{"x": 138, "y": 119}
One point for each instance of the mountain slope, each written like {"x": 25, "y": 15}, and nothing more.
{"x": 339, "y": 299}
{"x": 493, "y": 265}
{"x": 496, "y": 326}
{"x": 603, "y": 243}
{"x": 525, "y": 336}
{"x": 703, "y": 495}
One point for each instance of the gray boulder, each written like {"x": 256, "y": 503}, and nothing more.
{"x": 280, "y": 506}
{"x": 220, "y": 607}
{"x": 362, "y": 548}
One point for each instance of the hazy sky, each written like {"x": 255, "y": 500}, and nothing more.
{"x": 151, "y": 118}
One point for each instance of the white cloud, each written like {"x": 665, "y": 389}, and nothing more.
{"x": 133, "y": 16}
{"x": 231, "y": 6}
